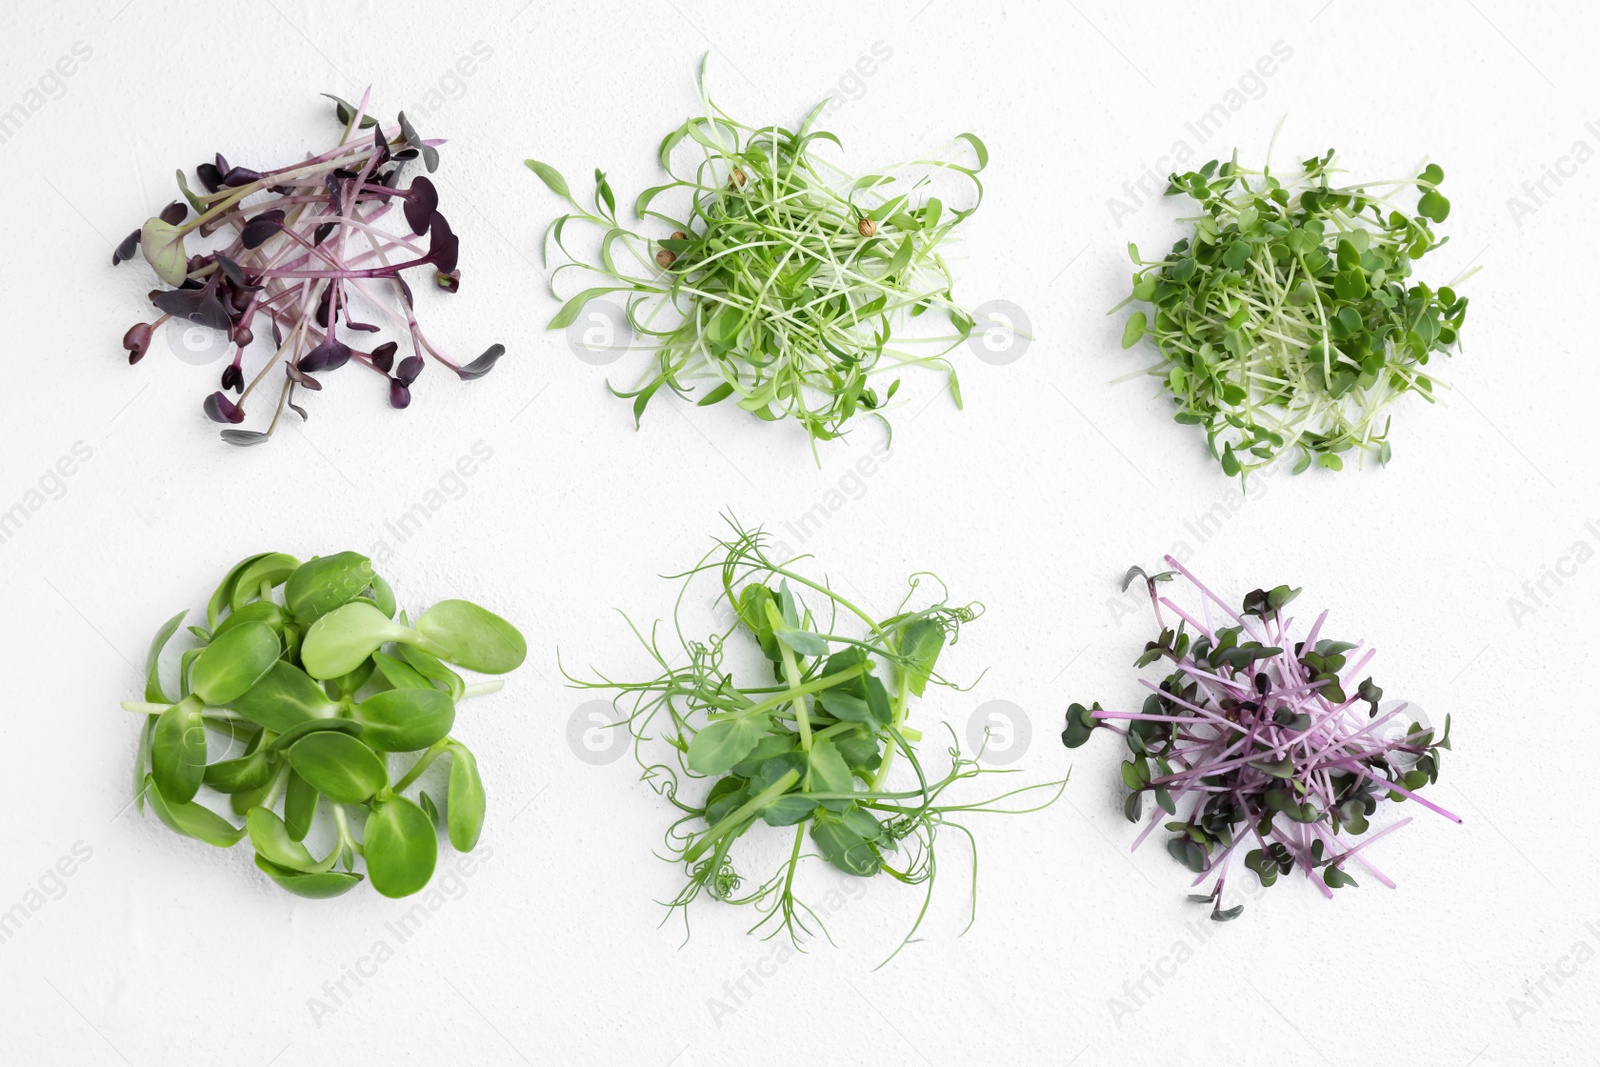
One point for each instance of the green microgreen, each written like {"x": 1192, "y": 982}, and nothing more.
{"x": 775, "y": 277}
{"x": 795, "y": 718}
{"x": 1287, "y": 324}
{"x": 291, "y": 667}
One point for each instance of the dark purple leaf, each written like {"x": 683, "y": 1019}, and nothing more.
{"x": 321, "y": 233}
{"x": 242, "y": 335}
{"x": 300, "y": 379}
{"x": 331, "y": 354}
{"x": 233, "y": 378}
{"x": 450, "y": 283}
{"x": 399, "y": 395}
{"x": 235, "y": 274}
{"x": 241, "y": 176}
{"x": 422, "y": 202}
{"x": 405, "y": 291}
{"x": 408, "y": 370}
{"x": 380, "y": 147}
{"x": 210, "y": 176}
{"x": 322, "y": 307}
{"x": 125, "y": 250}
{"x": 442, "y": 244}
{"x": 201, "y": 307}
{"x": 174, "y": 213}
{"x": 298, "y": 410}
{"x": 263, "y": 226}
{"x": 483, "y": 364}
{"x": 383, "y": 356}
{"x": 245, "y": 438}
{"x": 219, "y": 408}
{"x": 137, "y": 341}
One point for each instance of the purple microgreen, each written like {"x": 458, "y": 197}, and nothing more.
{"x": 125, "y": 250}
{"x": 1262, "y": 746}
{"x": 422, "y": 201}
{"x": 261, "y": 228}
{"x": 219, "y": 408}
{"x": 292, "y": 248}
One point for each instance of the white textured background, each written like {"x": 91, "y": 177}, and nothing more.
{"x": 158, "y": 950}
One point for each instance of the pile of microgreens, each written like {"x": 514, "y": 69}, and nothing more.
{"x": 804, "y": 739}
{"x": 1286, "y": 324}
{"x": 1279, "y": 749}
{"x": 312, "y": 707}
{"x": 780, "y": 280}
{"x": 300, "y": 244}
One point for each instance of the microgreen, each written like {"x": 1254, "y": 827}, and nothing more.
{"x": 302, "y": 244}
{"x": 290, "y": 666}
{"x": 802, "y": 743}
{"x": 1276, "y": 750}
{"x": 1286, "y": 324}
{"x": 779, "y": 279}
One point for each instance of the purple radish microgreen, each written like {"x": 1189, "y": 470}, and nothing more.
{"x": 302, "y": 247}
{"x": 805, "y": 745}
{"x": 307, "y": 720}
{"x": 1262, "y": 746}
{"x": 1286, "y": 323}
{"x": 774, "y": 277}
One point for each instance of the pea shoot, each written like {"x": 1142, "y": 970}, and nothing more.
{"x": 1269, "y": 744}
{"x": 779, "y": 280}
{"x": 803, "y": 743}
{"x": 292, "y": 667}
{"x": 1287, "y": 324}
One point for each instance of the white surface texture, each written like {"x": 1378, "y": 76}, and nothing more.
{"x": 1034, "y": 500}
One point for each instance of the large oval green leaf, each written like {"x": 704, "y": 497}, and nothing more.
{"x": 477, "y": 639}
{"x": 320, "y": 585}
{"x": 401, "y": 847}
{"x": 272, "y": 840}
{"x": 341, "y": 640}
{"x": 178, "y": 750}
{"x": 283, "y": 698}
{"x": 234, "y": 662}
{"x": 192, "y": 820}
{"x": 338, "y": 766}
{"x": 404, "y": 720}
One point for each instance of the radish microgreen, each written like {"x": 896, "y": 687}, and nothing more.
{"x": 313, "y": 708}
{"x": 803, "y": 742}
{"x": 779, "y": 279}
{"x": 1283, "y": 753}
{"x": 304, "y": 248}
{"x": 1286, "y": 323}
